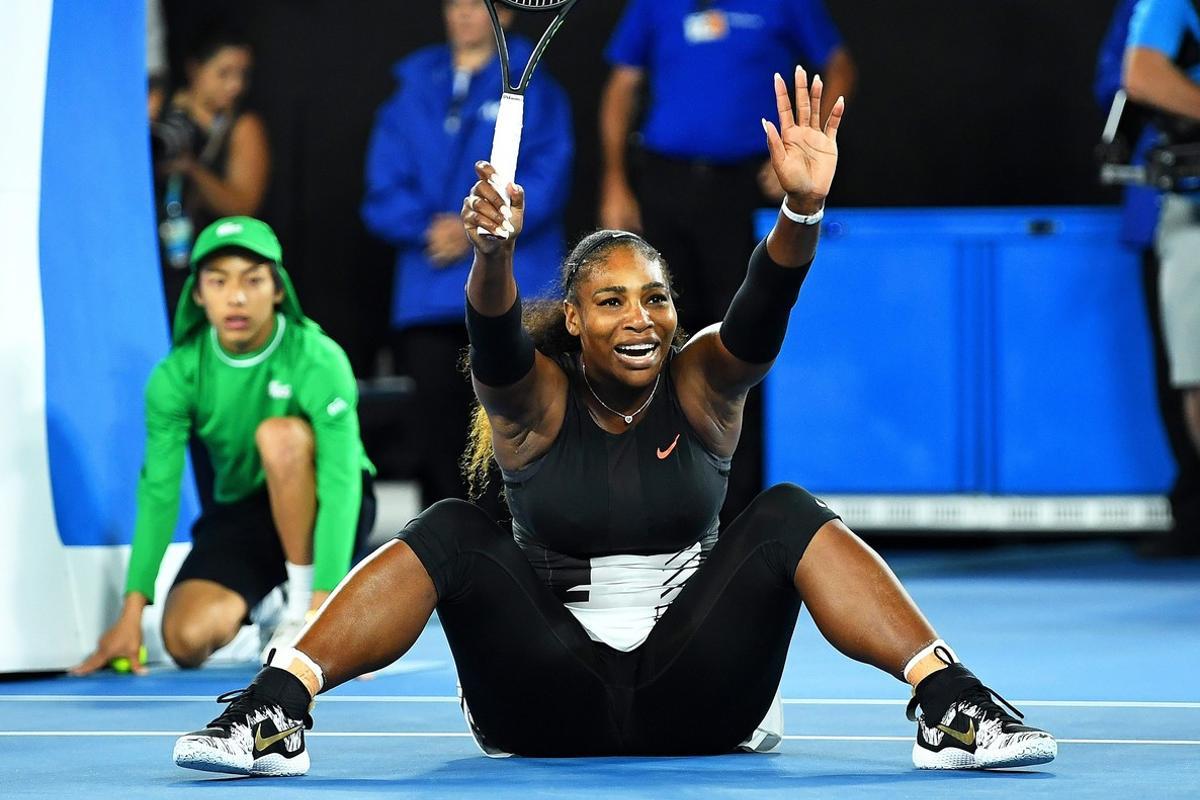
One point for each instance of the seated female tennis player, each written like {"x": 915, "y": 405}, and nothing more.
{"x": 617, "y": 619}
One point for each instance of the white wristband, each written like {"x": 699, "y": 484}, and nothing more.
{"x": 803, "y": 219}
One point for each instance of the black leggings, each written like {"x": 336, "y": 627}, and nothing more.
{"x": 538, "y": 686}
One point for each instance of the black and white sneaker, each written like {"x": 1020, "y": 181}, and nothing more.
{"x": 261, "y": 733}
{"x": 976, "y": 733}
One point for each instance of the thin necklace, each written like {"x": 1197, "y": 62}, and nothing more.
{"x": 627, "y": 417}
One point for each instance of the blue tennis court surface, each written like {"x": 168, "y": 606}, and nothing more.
{"x": 1091, "y": 644}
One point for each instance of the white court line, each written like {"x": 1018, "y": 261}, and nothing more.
{"x": 209, "y": 698}
{"x": 821, "y": 738}
{"x": 324, "y": 734}
{"x": 1032, "y": 703}
{"x": 463, "y": 735}
{"x": 198, "y": 698}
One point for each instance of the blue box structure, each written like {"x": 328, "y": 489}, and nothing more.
{"x": 943, "y": 351}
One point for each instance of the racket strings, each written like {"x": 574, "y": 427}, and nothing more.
{"x": 535, "y": 5}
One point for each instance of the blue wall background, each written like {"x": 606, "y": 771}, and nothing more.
{"x": 101, "y": 289}
{"x": 968, "y": 351}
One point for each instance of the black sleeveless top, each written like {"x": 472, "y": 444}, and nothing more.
{"x": 654, "y": 488}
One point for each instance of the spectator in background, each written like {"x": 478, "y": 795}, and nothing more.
{"x": 211, "y": 157}
{"x": 1159, "y": 73}
{"x": 702, "y": 62}
{"x": 423, "y": 149}
{"x": 156, "y": 59}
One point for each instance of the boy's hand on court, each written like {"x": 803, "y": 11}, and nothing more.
{"x": 803, "y": 154}
{"x": 122, "y": 640}
{"x": 485, "y": 208}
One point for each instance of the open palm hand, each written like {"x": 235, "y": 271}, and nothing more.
{"x": 803, "y": 154}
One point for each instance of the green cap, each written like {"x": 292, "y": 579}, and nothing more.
{"x": 248, "y": 232}
{"x": 252, "y": 234}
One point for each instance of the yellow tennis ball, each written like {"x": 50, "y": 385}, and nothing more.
{"x": 123, "y": 664}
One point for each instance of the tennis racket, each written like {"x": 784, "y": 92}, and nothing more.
{"x": 507, "y": 138}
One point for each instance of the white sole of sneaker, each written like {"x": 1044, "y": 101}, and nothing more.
{"x": 1028, "y": 753}
{"x": 950, "y": 758}
{"x": 191, "y": 754}
{"x": 277, "y": 766}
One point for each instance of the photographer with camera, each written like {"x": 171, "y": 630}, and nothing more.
{"x": 211, "y": 158}
{"x": 1159, "y": 73}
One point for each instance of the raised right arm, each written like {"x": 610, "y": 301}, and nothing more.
{"x": 522, "y": 391}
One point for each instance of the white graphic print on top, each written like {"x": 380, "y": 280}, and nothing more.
{"x": 627, "y": 594}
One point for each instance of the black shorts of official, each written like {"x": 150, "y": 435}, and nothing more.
{"x": 237, "y": 545}
{"x": 537, "y": 685}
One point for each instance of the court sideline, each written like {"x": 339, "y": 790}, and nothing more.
{"x": 1095, "y": 646}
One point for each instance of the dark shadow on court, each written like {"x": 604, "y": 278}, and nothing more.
{"x": 701, "y": 776}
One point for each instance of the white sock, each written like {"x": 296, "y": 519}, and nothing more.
{"x": 285, "y": 656}
{"x": 299, "y": 590}
{"x": 924, "y": 651}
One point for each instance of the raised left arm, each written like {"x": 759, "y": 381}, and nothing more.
{"x": 725, "y": 360}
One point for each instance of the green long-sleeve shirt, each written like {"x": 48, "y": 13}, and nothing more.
{"x": 223, "y": 398}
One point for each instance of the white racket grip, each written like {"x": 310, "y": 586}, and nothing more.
{"x": 507, "y": 140}
{"x": 505, "y": 143}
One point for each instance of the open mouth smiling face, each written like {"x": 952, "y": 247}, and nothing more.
{"x": 625, "y": 318}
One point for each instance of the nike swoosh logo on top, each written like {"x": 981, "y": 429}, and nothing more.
{"x": 261, "y": 744}
{"x": 664, "y": 453}
{"x": 967, "y": 737}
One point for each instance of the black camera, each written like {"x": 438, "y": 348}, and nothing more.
{"x": 1172, "y": 163}
{"x": 172, "y": 136}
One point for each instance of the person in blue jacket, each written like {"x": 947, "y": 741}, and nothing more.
{"x": 423, "y": 149}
